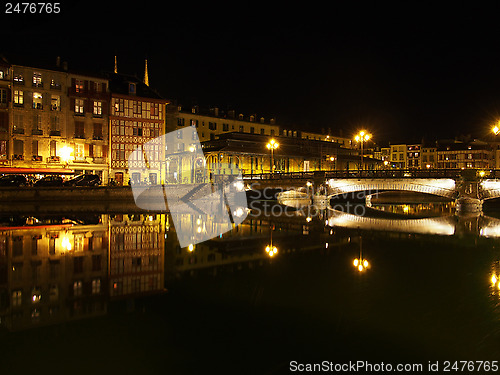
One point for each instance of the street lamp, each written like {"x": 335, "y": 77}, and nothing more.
{"x": 362, "y": 137}
{"x": 496, "y": 129}
{"x": 65, "y": 153}
{"x": 272, "y": 145}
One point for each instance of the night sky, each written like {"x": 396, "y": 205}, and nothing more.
{"x": 403, "y": 73}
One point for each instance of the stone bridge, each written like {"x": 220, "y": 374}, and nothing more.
{"x": 468, "y": 187}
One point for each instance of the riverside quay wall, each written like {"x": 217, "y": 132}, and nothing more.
{"x": 83, "y": 199}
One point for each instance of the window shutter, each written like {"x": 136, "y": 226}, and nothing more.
{"x": 72, "y": 104}
{"x": 87, "y": 149}
{"x": 105, "y": 107}
{"x": 105, "y": 151}
{"x": 91, "y": 151}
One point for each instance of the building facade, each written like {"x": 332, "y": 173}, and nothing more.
{"x": 210, "y": 124}
{"x": 137, "y": 116}
{"x": 55, "y": 119}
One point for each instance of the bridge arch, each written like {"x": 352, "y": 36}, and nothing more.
{"x": 443, "y": 187}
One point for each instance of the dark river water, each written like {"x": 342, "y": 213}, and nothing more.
{"x": 114, "y": 293}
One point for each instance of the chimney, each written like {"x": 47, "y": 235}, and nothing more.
{"x": 65, "y": 66}
{"x": 58, "y": 61}
{"x": 115, "y": 70}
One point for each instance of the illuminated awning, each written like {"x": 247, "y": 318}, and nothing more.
{"x": 10, "y": 170}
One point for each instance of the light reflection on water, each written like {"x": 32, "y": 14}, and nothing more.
{"x": 66, "y": 269}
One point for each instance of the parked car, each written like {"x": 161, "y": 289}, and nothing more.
{"x": 84, "y": 180}
{"x": 49, "y": 181}
{"x": 13, "y": 180}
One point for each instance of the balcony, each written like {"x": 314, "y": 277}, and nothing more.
{"x": 55, "y": 133}
{"x": 99, "y": 160}
{"x": 54, "y": 159}
{"x": 36, "y": 132}
{"x": 16, "y": 130}
{"x": 36, "y": 158}
{"x": 17, "y": 157}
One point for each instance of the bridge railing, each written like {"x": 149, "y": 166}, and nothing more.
{"x": 384, "y": 173}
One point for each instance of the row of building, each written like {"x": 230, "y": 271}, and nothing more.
{"x": 56, "y": 119}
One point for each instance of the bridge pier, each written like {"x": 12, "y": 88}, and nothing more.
{"x": 469, "y": 197}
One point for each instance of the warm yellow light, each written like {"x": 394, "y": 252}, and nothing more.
{"x": 365, "y": 263}
{"x": 367, "y": 137}
{"x": 482, "y": 173}
{"x": 356, "y": 262}
{"x": 268, "y": 248}
{"x": 65, "y": 153}
{"x": 308, "y": 219}
{"x": 495, "y": 130}
{"x": 362, "y": 133}
{"x": 272, "y": 145}
{"x": 191, "y": 247}
{"x": 66, "y": 245}
{"x": 356, "y": 138}
{"x": 360, "y": 268}
{"x": 494, "y": 279}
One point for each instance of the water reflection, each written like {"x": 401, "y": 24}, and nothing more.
{"x": 51, "y": 273}
{"x": 416, "y": 209}
{"x": 56, "y": 269}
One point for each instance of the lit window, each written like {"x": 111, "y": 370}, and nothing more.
{"x": 17, "y": 298}
{"x": 55, "y": 103}
{"x": 77, "y": 288}
{"x": 18, "y": 97}
{"x": 79, "y": 106}
{"x": 37, "y": 79}
{"x": 78, "y": 85}
{"x": 37, "y": 100}
{"x": 97, "y": 108}
{"x": 36, "y": 295}
{"x": 96, "y": 286}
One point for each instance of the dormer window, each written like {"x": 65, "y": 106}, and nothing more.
{"x": 131, "y": 88}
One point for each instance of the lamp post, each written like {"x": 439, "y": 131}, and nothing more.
{"x": 496, "y": 130}
{"x": 272, "y": 145}
{"x": 362, "y": 137}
